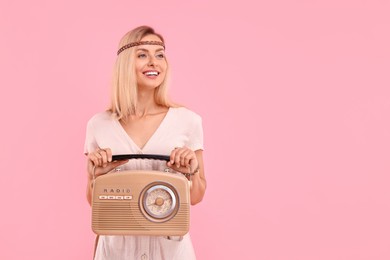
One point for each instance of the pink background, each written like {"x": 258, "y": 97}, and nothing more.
{"x": 295, "y": 101}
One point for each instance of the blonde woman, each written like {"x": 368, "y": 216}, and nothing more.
{"x": 141, "y": 120}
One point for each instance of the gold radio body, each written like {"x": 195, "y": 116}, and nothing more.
{"x": 141, "y": 203}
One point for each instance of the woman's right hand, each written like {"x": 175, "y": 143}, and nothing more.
{"x": 100, "y": 162}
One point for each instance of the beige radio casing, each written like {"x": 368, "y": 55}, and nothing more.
{"x": 117, "y": 204}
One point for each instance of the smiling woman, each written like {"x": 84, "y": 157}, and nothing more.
{"x": 140, "y": 51}
{"x": 142, "y": 120}
{"x": 150, "y": 64}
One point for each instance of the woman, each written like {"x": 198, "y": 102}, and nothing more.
{"x": 142, "y": 120}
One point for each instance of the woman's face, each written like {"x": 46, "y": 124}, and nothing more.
{"x": 150, "y": 64}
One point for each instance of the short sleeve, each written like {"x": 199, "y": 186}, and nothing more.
{"x": 90, "y": 141}
{"x": 195, "y": 138}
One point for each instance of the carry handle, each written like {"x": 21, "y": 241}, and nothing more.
{"x": 119, "y": 157}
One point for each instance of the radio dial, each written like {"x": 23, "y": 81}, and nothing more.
{"x": 160, "y": 202}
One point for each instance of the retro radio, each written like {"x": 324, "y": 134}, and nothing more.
{"x": 141, "y": 202}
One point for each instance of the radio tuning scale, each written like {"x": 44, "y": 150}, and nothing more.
{"x": 159, "y": 202}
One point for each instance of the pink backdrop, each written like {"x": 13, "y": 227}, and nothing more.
{"x": 295, "y": 101}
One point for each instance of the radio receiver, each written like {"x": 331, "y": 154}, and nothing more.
{"x": 141, "y": 202}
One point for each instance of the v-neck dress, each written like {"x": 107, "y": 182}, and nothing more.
{"x": 180, "y": 127}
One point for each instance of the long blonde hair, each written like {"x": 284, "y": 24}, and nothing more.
{"x": 124, "y": 83}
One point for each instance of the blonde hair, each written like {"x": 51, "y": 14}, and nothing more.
{"x": 124, "y": 83}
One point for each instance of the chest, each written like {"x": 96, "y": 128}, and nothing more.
{"x": 142, "y": 130}
{"x": 159, "y": 136}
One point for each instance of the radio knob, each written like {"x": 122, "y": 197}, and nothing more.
{"x": 159, "y": 201}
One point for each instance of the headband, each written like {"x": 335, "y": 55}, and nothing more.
{"x": 140, "y": 43}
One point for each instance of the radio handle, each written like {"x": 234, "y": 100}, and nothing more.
{"x": 119, "y": 157}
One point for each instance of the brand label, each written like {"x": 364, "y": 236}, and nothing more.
{"x": 113, "y": 190}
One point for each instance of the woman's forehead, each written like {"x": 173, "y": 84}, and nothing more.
{"x": 149, "y": 48}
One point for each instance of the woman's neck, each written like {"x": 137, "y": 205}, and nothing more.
{"x": 146, "y": 104}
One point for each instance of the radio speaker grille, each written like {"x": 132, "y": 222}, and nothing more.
{"x": 124, "y": 218}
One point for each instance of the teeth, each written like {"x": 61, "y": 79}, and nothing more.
{"x": 151, "y": 73}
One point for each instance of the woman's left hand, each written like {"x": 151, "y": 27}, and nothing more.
{"x": 183, "y": 160}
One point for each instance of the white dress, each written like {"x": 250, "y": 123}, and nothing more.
{"x": 180, "y": 127}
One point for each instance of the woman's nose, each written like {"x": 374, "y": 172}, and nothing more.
{"x": 152, "y": 61}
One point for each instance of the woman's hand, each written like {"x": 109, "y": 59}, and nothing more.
{"x": 100, "y": 162}
{"x": 183, "y": 160}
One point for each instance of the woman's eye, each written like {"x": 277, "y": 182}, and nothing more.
{"x": 160, "y": 56}
{"x": 142, "y": 55}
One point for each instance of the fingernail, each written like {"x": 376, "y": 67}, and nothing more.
{"x": 177, "y": 165}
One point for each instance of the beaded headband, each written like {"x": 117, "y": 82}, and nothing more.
{"x": 140, "y": 43}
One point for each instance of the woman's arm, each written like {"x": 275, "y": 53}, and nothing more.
{"x": 198, "y": 187}
{"x": 184, "y": 160}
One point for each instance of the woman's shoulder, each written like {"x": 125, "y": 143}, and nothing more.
{"x": 185, "y": 112}
{"x": 100, "y": 118}
{"x": 186, "y": 117}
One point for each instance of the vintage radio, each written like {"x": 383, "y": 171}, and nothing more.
{"x": 141, "y": 202}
